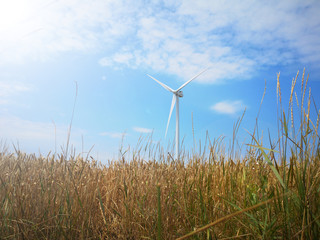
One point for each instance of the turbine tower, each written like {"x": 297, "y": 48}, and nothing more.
{"x": 175, "y": 100}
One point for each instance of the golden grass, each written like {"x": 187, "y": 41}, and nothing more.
{"x": 267, "y": 194}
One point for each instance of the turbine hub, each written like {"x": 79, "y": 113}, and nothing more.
{"x": 180, "y": 94}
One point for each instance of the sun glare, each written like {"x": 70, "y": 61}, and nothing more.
{"x": 12, "y": 14}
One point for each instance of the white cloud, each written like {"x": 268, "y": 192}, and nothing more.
{"x": 66, "y": 25}
{"x": 37, "y": 135}
{"x": 12, "y": 88}
{"x": 113, "y": 134}
{"x": 118, "y": 58}
{"x": 180, "y": 37}
{"x": 228, "y": 107}
{"x": 9, "y": 90}
{"x": 142, "y": 130}
{"x": 233, "y": 38}
{"x": 123, "y": 58}
{"x": 105, "y": 62}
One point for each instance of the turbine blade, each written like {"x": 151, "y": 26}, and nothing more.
{"x": 191, "y": 80}
{"x": 171, "y": 109}
{"x": 162, "y": 84}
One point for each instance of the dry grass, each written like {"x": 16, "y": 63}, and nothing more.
{"x": 265, "y": 195}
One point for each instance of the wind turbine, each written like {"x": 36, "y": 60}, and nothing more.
{"x": 175, "y": 100}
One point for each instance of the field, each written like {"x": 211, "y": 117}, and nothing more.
{"x": 270, "y": 192}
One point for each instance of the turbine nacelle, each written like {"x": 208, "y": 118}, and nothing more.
{"x": 179, "y": 94}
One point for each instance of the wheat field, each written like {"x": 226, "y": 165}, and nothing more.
{"x": 270, "y": 192}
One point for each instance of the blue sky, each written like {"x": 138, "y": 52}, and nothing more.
{"x": 109, "y": 47}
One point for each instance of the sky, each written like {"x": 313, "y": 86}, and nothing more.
{"x": 90, "y": 60}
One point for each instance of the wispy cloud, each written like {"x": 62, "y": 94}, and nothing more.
{"x": 48, "y": 29}
{"x": 113, "y": 134}
{"x": 228, "y": 107}
{"x": 234, "y": 38}
{"x": 180, "y": 37}
{"x": 42, "y": 134}
{"x": 105, "y": 62}
{"x": 142, "y": 130}
{"x": 11, "y": 89}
